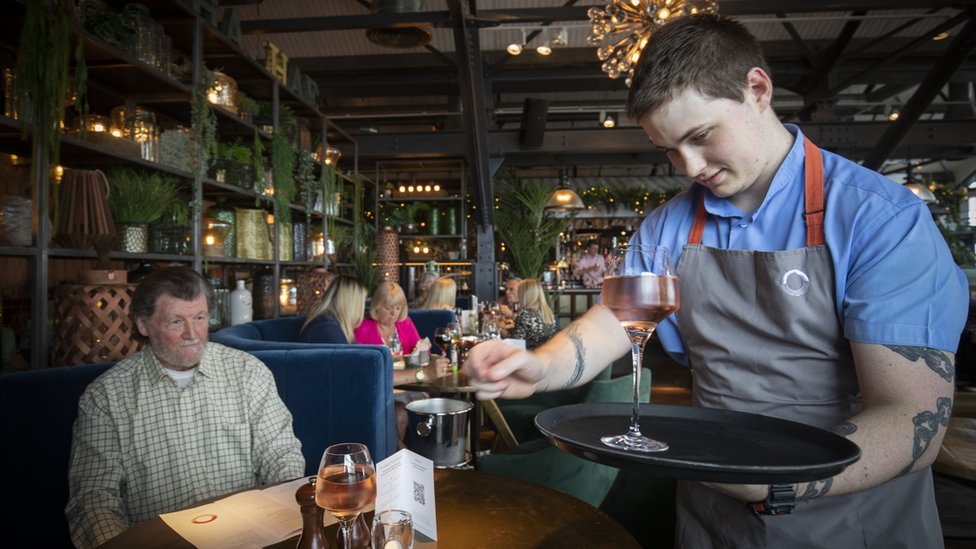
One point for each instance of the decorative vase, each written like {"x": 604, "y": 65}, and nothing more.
{"x": 299, "y": 241}
{"x": 241, "y": 305}
{"x": 264, "y": 293}
{"x": 388, "y": 254}
{"x": 133, "y": 237}
{"x": 311, "y": 285}
{"x": 227, "y": 215}
{"x": 92, "y": 323}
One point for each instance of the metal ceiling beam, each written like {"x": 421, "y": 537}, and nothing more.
{"x": 566, "y": 14}
{"x": 476, "y": 115}
{"x": 958, "y": 51}
{"x": 859, "y": 137}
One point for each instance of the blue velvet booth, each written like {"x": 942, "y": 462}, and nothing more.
{"x": 336, "y": 393}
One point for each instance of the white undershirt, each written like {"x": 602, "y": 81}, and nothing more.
{"x": 181, "y": 377}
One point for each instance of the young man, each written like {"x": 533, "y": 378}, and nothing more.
{"x": 591, "y": 266}
{"x": 811, "y": 289}
{"x": 182, "y": 421}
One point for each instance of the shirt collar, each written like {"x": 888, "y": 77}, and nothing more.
{"x": 155, "y": 370}
{"x": 787, "y": 174}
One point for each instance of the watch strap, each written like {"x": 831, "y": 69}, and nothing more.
{"x": 781, "y": 500}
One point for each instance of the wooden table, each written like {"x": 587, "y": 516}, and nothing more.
{"x": 473, "y": 510}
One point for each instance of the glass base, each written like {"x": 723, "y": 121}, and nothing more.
{"x": 633, "y": 443}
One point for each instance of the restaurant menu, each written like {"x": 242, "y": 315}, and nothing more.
{"x": 405, "y": 481}
{"x": 255, "y": 518}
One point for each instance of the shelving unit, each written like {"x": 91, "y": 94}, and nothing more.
{"x": 118, "y": 78}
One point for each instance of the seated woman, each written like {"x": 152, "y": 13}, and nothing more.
{"x": 441, "y": 295}
{"x": 388, "y": 324}
{"x": 427, "y": 279}
{"x": 535, "y": 322}
{"x": 335, "y": 317}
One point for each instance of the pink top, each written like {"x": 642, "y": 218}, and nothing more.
{"x": 368, "y": 333}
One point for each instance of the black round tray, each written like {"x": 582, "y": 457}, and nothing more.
{"x": 705, "y": 444}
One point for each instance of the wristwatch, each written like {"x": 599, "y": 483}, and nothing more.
{"x": 780, "y": 501}
{"x": 420, "y": 375}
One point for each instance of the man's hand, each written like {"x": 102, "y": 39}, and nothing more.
{"x": 498, "y": 369}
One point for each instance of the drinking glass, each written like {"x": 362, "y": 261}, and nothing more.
{"x": 641, "y": 289}
{"x": 393, "y": 529}
{"x": 346, "y": 484}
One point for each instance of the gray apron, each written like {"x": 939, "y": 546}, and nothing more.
{"x": 762, "y": 336}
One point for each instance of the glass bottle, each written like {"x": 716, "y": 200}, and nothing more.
{"x": 241, "y": 303}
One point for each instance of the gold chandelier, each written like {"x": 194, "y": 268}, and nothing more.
{"x": 621, "y": 29}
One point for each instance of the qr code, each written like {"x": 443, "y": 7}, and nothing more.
{"x": 418, "y": 493}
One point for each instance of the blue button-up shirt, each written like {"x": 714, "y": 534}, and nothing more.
{"x": 895, "y": 280}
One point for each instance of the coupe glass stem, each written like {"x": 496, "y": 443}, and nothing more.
{"x": 637, "y": 339}
{"x": 346, "y": 531}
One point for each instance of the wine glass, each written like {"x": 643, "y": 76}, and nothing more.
{"x": 641, "y": 289}
{"x": 346, "y": 484}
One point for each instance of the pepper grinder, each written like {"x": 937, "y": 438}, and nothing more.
{"x": 313, "y": 529}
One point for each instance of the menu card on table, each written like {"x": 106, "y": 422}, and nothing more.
{"x": 405, "y": 481}
{"x": 256, "y": 518}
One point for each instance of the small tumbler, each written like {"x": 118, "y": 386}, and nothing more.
{"x": 392, "y": 529}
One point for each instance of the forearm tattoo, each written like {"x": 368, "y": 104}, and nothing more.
{"x": 935, "y": 359}
{"x": 845, "y": 429}
{"x": 816, "y": 489}
{"x": 574, "y": 336}
{"x": 926, "y": 427}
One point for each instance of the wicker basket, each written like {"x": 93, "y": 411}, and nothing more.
{"x": 91, "y": 324}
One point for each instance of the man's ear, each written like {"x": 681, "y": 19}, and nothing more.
{"x": 141, "y": 326}
{"x": 760, "y": 87}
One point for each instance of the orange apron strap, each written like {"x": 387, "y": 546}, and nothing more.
{"x": 813, "y": 200}
{"x": 698, "y": 228}
{"x": 814, "y": 193}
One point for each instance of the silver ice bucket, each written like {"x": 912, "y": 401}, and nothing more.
{"x": 437, "y": 429}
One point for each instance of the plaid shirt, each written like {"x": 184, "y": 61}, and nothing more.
{"x": 143, "y": 446}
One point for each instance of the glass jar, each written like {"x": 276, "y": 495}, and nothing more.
{"x": 146, "y": 44}
{"x": 223, "y": 91}
{"x": 139, "y": 125}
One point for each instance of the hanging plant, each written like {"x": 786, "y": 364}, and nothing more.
{"x": 204, "y": 122}
{"x": 283, "y": 169}
{"x": 305, "y": 174}
{"x": 257, "y": 160}
{"x": 41, "y": 82}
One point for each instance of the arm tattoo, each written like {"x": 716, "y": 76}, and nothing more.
{"x": 935, "y": 359}
{"x": 816, "y": 489}
{"x": 926, "y": 427}
{"x": 574, "y": 336}
{"x": 845, "y": 429}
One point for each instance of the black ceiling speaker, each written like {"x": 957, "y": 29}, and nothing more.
{"x": 535, "y": 112}
{"x": 406, "y": 35}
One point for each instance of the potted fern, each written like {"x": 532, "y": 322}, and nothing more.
{"x": 136, "y": 198}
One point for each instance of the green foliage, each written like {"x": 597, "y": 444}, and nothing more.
{"x": 521, "y": 221}
{"x": 951, "y": 224}
{"x": 176, "y": 215}
{"x": 257, "y": 161}
{"x": 640, "y": 201}
{"x": 283, "y": 168}
{"x": 305, "y": 174}
{"x": 42, "y": 73}
{"x": 363, "y": 240}
{"x": 81, "y": 79}
{"x": 139, "y": 196}
{"x": 248, "y": 105}
{"x": 204, "y": 122}
{"x": 235, "y": 151}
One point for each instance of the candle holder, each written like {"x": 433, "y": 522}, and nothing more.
{"x": 223, "y": 91}
{"x": 215, "y": 231}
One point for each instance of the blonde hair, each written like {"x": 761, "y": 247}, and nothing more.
{"x": 345, "y": 299}
{"x": 532, "y": 296}
{"x": 388, "y": 294}
{"x": 442, "y": 295}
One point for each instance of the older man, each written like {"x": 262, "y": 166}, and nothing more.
{"x": 179, "y": 422}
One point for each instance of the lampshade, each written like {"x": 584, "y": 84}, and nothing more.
{"x": 564, "y": 198}
{"x": 922, "y": 192}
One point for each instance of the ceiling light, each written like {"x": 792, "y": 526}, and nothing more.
{"x": 940, "y": 36}
{"x": 543, "y": 49}
{"x": 894, "y": 115}
{"x": 608, "y": 120}
{"x": 515, "y": 48}
{"x": 559, "y": 39}
{"x": 564, "y": 198}
{"x": 622, "y": 27}
{"x": 922, "y": 192}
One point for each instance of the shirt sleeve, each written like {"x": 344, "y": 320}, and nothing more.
{"x": 903, "y": 288}
{"x": 96, "y": 476}
{"x": 276, "y": 452}
{"x": 409, "y": 336}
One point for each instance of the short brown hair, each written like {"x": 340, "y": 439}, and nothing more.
{"x": 705, "y": 52}
{"x": 179, "y": 282}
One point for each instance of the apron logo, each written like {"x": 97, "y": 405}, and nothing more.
{"x": 804, "y": 283}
